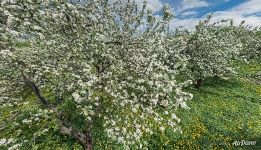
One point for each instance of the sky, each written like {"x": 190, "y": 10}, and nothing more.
{"x": 189, "y": 12}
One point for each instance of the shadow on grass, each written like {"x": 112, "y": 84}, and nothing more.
{"x": 217, "y": 82}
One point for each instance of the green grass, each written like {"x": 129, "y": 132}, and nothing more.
{"x": 222, "y": 111}
{"x": 247, "y": 70}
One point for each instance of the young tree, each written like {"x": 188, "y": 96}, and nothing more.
{"x": 105, "y": 59}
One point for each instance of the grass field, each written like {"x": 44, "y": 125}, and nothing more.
{"x": 222, "y": 111}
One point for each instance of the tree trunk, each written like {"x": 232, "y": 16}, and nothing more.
{"x": 84, "y": 138}
{"x": 88, "y": 138}
{"x": 198, "y": 83}
{"x": 89, "y": 142}
{"x": 88, "y": 146}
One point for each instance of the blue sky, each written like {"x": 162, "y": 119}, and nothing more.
{"x": 201, "y": 8}
{"x": 189, "y": 12}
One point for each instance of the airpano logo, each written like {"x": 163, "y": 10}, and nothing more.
{"x": 244, "y": 143}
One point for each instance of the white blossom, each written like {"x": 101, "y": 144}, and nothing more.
{"x": 2, "y": 141}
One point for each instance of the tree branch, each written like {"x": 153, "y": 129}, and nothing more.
{"x": 73, "y": 133}
{"x": 63, "y": 129}
{"x": 35, "y": 90}
{"x": 121, "y": 43}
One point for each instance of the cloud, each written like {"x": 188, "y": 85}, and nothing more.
{"x": 190, "y": 4}
{"x": 154, "y": 5}
{"x": 189, "y": 13}
{"x": 249, "y": 7}
{"x": 246, "y": 11}
{"x": 189, "y": 23}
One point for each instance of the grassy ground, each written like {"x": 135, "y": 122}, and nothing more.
{"x": 222, "y": 112}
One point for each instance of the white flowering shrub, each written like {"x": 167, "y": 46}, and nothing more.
{"x": 99, "y": 61}
{"x": 251, "y": 42}
{"x": 209, "y": 49}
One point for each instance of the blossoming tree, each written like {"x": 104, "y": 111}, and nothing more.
{"x": 251, "y": 42}
{"x": 105, "y": 59}
{"x": 210, "y": 49}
